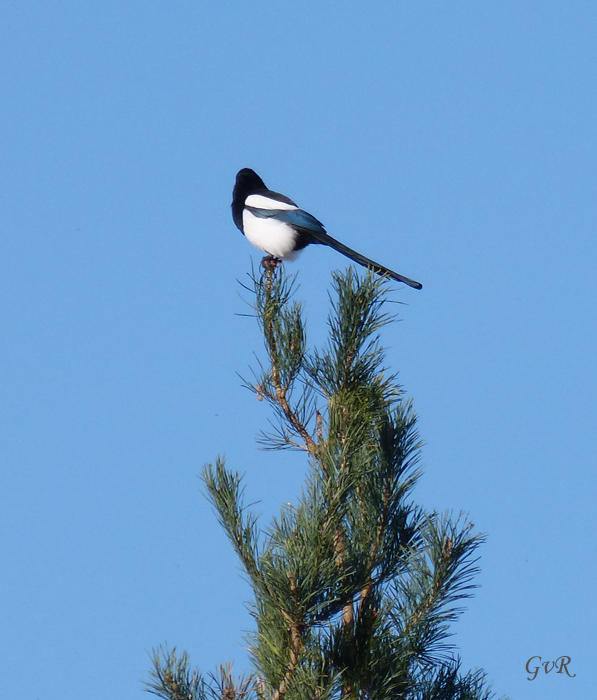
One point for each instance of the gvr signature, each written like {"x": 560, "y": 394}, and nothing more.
{"x": 560, "y": 665}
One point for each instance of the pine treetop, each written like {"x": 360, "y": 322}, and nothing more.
{"x": 354, "y": 585}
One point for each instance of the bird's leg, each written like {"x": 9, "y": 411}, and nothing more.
{"x": 270, "y": 262}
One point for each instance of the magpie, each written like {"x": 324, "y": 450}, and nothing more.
{"x": 275, "y": 224}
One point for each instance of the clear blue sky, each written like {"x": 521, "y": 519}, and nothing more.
{"x": 456, "y": 142}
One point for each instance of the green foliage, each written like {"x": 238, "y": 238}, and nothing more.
{"x": 354, "y": 585}
{"x": 173, "y": 679}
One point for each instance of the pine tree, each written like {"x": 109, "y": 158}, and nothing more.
{"x": 354, "y": 585}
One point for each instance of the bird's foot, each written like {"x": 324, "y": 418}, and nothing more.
{"x": 270, "y": 262}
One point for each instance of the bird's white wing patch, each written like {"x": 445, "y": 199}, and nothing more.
{"x": 260, "y": 201}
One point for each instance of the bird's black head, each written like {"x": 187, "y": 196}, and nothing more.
{"x": 247, "y": 182}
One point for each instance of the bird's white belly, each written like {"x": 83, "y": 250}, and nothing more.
{"x": 272, "y": 236}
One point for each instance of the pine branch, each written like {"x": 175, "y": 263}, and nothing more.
{"x": 285, "y": 344}
{"x": 440, "y": 576}
{"x": 224, "y": 490}
{"x": 173, "y": 679}
{"x": 281, "y": 390}
{"x": 296, "y": 643}
{"x": 382, "y": 523}
{"x": 447, "y": 683}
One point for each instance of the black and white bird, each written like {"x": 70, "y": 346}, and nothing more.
{"x": 275, "y": 224}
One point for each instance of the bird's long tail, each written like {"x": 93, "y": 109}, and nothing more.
{"x": 325, "y": 239}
